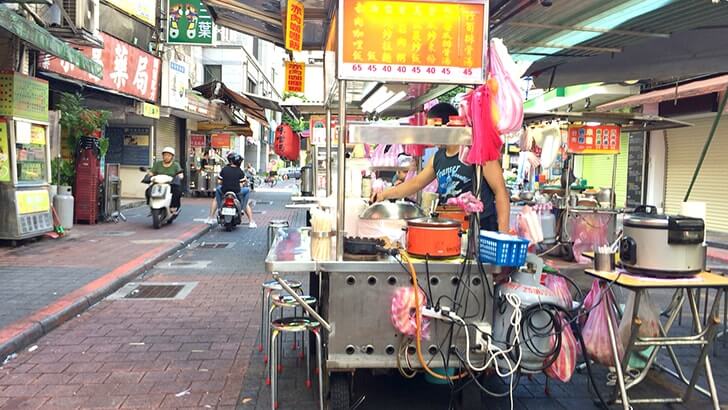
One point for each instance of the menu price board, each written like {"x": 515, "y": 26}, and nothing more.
{"x": 601, "y": 139}
{"x": 197, "y": 141}
{"x": 412, "y": 41}
{"x": 23, "y": 96}
{"x": 220, "y": 140}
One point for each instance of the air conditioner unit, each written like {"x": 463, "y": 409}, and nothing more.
{"x": 85, "y": 16}
{"x": 84, "y": 13}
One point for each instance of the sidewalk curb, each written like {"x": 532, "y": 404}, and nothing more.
{"x": 35, "y": 329}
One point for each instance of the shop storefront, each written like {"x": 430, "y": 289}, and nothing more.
{"x": 128, "y": 90}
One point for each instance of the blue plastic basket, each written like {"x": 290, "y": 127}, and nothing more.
{"x": 502, "y": 250}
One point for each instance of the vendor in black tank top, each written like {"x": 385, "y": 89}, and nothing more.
{"x": 455, "y": 178}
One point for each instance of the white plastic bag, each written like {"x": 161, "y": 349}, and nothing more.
{"x": 509, "y": 97}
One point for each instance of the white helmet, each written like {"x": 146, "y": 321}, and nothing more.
{"x": 168, "y": 150}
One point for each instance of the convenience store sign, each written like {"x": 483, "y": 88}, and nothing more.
{"x": 412, "y": 41}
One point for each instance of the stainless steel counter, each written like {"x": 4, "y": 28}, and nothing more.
{"x": 291, "y": 252}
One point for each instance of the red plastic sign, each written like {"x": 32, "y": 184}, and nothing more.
{"x": 127, "y": 69}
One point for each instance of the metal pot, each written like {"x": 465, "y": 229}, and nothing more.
{"x": 393, "y": 210}
{"x": 454, "y": 213}
{"x": 662, "y": 245}
{"x": 433, "y": 237}
{"x": 604, "y": 196}
{"x": 307, "y": 182}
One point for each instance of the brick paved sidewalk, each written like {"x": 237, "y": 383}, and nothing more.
{"x": 48, "y": 281}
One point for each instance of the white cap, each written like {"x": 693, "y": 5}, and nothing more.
{"x": 168, "y": 150}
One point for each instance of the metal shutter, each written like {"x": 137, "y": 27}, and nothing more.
{"x": 166, "y": 135}
{"x": 597, "y": 169}
{"x": 683, "y": 151}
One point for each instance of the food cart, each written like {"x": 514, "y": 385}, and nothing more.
{"x": 585, "y": 135}
{"x": 24, "y": 158}
{"x": 362, "y": 286}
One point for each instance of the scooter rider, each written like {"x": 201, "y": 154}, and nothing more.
{"x": 168, "y": 166}
{"x": 231, "y": 178}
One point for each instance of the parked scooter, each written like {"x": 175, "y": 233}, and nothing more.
{"x": 230, "y": 211}
{"x": 160, "y": 198}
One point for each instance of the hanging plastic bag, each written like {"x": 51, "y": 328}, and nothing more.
{"x": 486, "y": 145}
{"x": 563, "y": 367}
{"x": 509, "y": 97}
{"x": 560, "y": 287}
{"x": 589, "y": 231}
{"x": 648, "y": 314}
{"x": 596, "y": 330}
{"x": 403, "y": 312}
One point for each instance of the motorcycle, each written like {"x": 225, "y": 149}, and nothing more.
{"x": 229, "y": 212}
{"x": 160, "y": 198}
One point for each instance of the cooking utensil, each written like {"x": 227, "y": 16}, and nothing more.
{"x": 365, "y": 246}
{"x": 662, "y": 245}
{"x": 454, "y": 213}
{"x": 604, "y": 197}
{"x": 433, "y": 237}
{"x": 392, "y": 210}
{"x": 604, "y": 259}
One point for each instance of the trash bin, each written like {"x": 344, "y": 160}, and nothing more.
{"x": 273, "y": 226}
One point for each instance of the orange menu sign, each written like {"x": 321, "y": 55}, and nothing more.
{"x": 294, "y": 25}
{"x": 415, "y": 41}
{"x": 601, "y": 139}
{"x": 295, "y": 77}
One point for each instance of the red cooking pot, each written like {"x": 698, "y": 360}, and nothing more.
{"x": 455, "y": 213}
{"x": 433, "y": 237}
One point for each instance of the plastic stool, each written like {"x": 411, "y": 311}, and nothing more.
{"x": 265, "y": 292}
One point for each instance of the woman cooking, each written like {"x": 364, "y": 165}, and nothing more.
{"x": 455, "y": 178}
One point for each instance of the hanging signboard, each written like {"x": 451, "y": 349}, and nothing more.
{"x": 127, "y": 69}
{"x": 189, "y": 22}
{"x": 294, "y": 25}
{"x": 295, "y": 77}
{"x": 197, "y": 141}
{"x": 220, "y": 140}
{"x": 179, "y": 79}
{"x": 23, "y": 96}
{"x": 601, "y": 139}
{"x": 412, "y": 41}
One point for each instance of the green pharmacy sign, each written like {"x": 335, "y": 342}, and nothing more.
{"x": 189, "y": 22}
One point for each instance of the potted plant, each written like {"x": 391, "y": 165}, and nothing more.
{"x": 62, "y": 175}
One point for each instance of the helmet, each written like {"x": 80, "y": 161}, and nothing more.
{"x": 230, "y": 156}
{"x": 237, "y": 160}
{"x": 168, "y": 150}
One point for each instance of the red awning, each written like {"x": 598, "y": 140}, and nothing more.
{"x": 695, "y": 88}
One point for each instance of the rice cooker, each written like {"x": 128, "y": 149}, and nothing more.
{"x": 662, "y": 245}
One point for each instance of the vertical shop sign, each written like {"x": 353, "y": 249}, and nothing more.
{"x": 127, "y": 69}
{"x": 294, "y": 25}
{"x": 295, "y": 77}
{"x": 144, "y": 10}
{"x": 178, "y": 84}
{"x": 4, "y": 153}
{"x": 413, "y": 41}
{"x": 189, "y": 22}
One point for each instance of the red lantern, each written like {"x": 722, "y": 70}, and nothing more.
{"x": 287, "y": 144}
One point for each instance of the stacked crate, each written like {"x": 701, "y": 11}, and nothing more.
{"x": 87, "y": 186}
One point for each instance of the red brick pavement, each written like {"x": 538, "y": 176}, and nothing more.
{"x": 144, "y": 354}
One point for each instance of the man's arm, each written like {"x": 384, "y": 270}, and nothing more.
{"x": 493, "y": 174}
{"x": 410, "y": 187}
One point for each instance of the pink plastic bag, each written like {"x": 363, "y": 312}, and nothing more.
{"x": 403, "y": 308}
{"x": 486, "y": 145}
{"x": 563, "y": 368}
{"x": 596, "y": 330}
{"x": 509, "y": 97}
{"x": 588, "y": 232}
{"x": 560, "y": 287}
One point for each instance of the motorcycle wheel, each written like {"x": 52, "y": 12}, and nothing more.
{"x": 228, "y": 227}
{"x": 157, "y": 218}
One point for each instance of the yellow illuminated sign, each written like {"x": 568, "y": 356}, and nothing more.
{"x": 30, "y": 202}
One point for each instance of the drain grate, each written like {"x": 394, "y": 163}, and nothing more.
{"x": 185, "y": 265}
{"x": 216, "y": 245}
{"x": 154, "y": 291}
